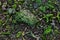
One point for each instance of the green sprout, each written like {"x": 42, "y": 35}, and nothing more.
{"x": 48, "y": 17}
{"x": 50, "y": 5}
{"x": 14, "y": 6}
{"x": 19, "y": 34}
{"x": 42, "y": 8}
{"x": 58, "y": 16}
{"x": 47, "y": 30}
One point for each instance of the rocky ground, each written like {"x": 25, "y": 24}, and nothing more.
{"x": 29, "y": 19}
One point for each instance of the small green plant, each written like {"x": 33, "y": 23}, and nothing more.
{"x": 14, "y": 6}
{"x": 48, "y": 17}
{"x": 58, "y": 16}
{"x": 47, "y": 30}
{"x": 50, "y": 6}
{"x": 19, "y": 34}
{"x": 42, "y": 8}
{"x": 26, "y": 16}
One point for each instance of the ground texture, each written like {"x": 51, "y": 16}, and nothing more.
{"x": 29, "y": 19}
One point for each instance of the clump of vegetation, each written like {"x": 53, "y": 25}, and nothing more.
{"x": 26, "y": 16}
{"x": 48, "y": 17}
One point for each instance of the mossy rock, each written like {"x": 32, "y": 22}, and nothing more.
{"x": 26, "y": 16}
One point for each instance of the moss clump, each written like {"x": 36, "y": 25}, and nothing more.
{"x": 26, "y": 16}
{"x": 47, "y": 30}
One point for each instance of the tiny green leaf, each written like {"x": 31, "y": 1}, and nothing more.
{"x": 58, "y": 16}
{"x": 14, "y": 6}
{"x": 19, "y": 34}
{"x": 43, "y": 8}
